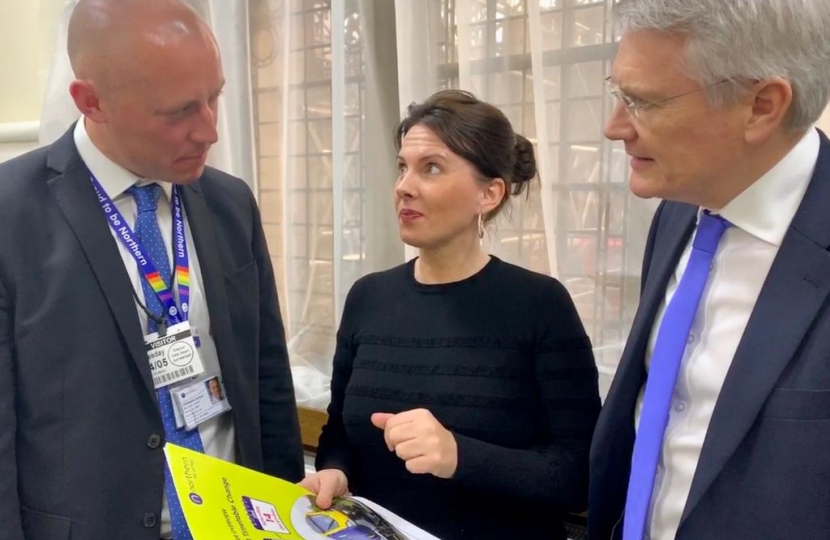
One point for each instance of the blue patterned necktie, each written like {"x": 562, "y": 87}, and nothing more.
{"x": 148, "y": 232}
{"x": 668, "y": 353}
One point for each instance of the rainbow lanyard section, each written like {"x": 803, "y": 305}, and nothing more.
{"x": 123, "y": 231}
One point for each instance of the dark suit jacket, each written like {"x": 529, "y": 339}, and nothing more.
{"x": 79, "y": 421}
{"x": 764, "y": 469}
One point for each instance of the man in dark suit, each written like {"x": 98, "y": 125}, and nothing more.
{"x": 717, "y": 424}
{"x": 84, "y": 418}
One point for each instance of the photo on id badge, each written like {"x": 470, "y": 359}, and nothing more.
{"x": 214, "y": 388}
{"x": 199, "y": 400}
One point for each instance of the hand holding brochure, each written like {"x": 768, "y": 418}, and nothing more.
{"x": 226, "y": 501}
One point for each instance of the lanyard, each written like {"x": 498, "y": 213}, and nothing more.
{"x": 145, "y": 265}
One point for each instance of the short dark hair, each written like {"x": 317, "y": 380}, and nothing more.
{"x": 479, "y": 133}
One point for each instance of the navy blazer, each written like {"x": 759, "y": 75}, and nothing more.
{"x": 764, "y": 469}
{"x": 81, "y": 439}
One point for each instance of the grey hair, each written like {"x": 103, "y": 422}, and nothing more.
{"x": 746, "y": 40}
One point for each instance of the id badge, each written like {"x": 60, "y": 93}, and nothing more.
{"x": 200, "y": 401}
{"x": 174, "y": 357}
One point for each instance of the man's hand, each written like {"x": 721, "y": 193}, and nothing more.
{"x": 326, "y": 484}
{"x": 420, "y": 440}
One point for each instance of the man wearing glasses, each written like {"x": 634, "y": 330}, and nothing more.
{"x": 717, "y": 424}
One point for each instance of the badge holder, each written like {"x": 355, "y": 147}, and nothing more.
{"x": 174, "y": 361}
{"x": 200, "y": 401}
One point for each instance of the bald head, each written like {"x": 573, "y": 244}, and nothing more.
{"x": 104, "y": 34}
{"x": 148, "y": 76}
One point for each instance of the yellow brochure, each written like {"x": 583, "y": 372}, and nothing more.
{"x": 224, "y": 501}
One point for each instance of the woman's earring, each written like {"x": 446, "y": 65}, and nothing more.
{"x": 480, "y": 227}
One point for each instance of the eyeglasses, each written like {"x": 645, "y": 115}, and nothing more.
{"x": 633, "y": 106}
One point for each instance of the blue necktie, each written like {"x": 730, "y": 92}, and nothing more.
{"x": 665, "y": 365}
{"x": 148, "y": 232}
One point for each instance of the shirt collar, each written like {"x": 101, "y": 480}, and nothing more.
{"x": 766, "y": 208}
{"x": 114, "y": 178}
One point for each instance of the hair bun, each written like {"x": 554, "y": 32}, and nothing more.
{"x": 525, "y": 168}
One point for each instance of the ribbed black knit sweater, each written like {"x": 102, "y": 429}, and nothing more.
{"x": 502, "y": 360}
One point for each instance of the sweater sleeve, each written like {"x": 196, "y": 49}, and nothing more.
{"x": 334, "y": 450}
{"x": 554, "y": 471}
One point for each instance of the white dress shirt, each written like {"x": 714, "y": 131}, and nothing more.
{"x": 217, "y": 434}
{"x": 760, "y": 217}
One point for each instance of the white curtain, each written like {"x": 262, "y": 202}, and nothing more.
{"x": 326, "y": 102}
{"x": 229, "y": 21}
{"x": 542, "y": 62}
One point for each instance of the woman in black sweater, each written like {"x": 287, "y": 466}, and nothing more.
{"x": 464, "y": 391}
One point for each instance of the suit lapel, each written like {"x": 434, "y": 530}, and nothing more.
{"x": 201, "y": 227}
{"x": 677, "y": 224}
{"x": 611, "y": 461}
{"x": 76, "y": 198}
{"x": 793, "y": 293}
{"x": 682, "y": 219}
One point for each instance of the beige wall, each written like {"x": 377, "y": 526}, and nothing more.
{"x": 27, "y": 39}
{"x": 21, "y": 89}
